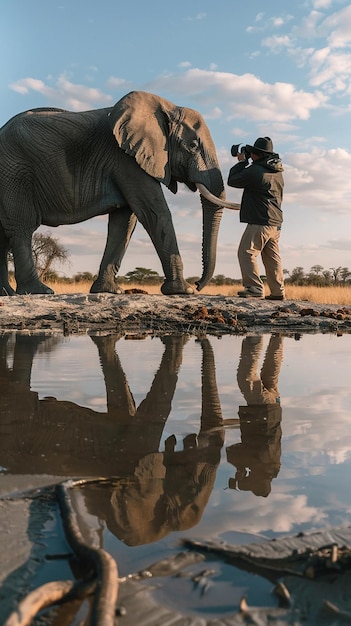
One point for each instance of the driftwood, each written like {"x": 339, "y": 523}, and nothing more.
{"x": 311, "y": 576}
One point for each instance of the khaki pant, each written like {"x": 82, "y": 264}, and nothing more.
{"x": 262, "y": 240}
{"x": 260, "y": 388}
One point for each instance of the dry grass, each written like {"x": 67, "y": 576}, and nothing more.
{"x": 84, "y": 287}
{"x": 320, "y": 295}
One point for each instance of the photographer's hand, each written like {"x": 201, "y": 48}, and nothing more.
{"x": 241, "y": 156}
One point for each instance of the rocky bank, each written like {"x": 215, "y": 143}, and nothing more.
{"x": 153, "y": 314}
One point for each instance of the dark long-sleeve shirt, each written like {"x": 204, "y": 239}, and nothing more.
{"x": 263, "y": 183}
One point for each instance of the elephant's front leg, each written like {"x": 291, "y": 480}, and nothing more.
{"x": 120, "y": 401}
{"x": 157, "y": 221}
{"x": 121, "y": 225}
{"x": 145, "y": 197}
{"x": 166, "y": 245}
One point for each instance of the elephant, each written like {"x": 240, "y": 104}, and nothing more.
{"x": 60, "y": 167}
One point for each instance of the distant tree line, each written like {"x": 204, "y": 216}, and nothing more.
{"x": 47, "y": 252}
{"x": 142, "y": 275}
{"x": 319, "y": 277}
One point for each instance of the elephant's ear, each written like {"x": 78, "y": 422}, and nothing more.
{"x": 140, "y": 124}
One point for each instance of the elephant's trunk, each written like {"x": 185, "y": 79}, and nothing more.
{"x": 211, "y": 221}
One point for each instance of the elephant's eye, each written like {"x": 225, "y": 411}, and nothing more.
{"x": 193, "y": 146}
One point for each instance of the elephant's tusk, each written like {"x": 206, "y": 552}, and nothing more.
{"x": 223, "y": 203}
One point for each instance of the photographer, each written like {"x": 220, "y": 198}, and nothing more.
{"x": 262, "y": 182}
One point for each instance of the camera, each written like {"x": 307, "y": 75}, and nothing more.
{"x": 239, "y": 147}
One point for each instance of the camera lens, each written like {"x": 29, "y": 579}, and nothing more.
{"x": 235, "y": 149}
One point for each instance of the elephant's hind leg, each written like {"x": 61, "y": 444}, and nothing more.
{"x": 5, "y": 287}
{"x": 26, "y": 275}
{"x": 121, "y": 225}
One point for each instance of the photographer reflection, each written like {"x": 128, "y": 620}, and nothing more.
{"x": 257, "y": 457}
{"x": 167, "y": 490}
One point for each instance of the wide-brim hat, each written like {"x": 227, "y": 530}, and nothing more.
{"x": 262, "y": 144}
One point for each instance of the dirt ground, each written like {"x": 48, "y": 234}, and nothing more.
{"x": 145, "y": 314}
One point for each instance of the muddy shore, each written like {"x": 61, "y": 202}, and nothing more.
{"x": 155, "y": 314}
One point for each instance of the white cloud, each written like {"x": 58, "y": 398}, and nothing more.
{"x": 278, "y": 42}
{"x": 64, "y": 93}
{"x": 281, "y": 511}
{"x": 214, "y": 114}
{"x": 259, "y": 19}
{"x": 299, "y": 55}
{"x": 306, "y": 182}
{"x": 25, "y": 85}
{"x": 118, "y": 83}
{"x": 315, "y": 446}
{"x": 337, "y": 27}
{"x": 321, "y": 4}
{"x": 330, "y": 64}
{"x": 265, "y": 24}
{"x": 278, "y": 21}
{"x": 244, "y": 95}
{"x": 195, "y": 18}
{"x": 330, "y": 70}
{"x": 339, "y": 244}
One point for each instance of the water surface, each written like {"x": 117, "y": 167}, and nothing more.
{"x": 234, "y": 438}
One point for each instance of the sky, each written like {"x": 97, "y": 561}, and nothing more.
{"x": 278, "y": 68}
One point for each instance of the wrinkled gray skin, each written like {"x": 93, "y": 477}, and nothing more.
{"x": 58, "y": 167}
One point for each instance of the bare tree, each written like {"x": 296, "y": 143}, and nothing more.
{"x": 327, "y": 277}
{"x": 46, "y": 252}
{"x": 345, "y": 274}
{"x": 336, "y": 273}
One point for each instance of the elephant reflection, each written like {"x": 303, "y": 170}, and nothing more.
{"x": 153, "y": 492}
{"x": 166, "y": 490}
{"x": 257, "y": 457}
